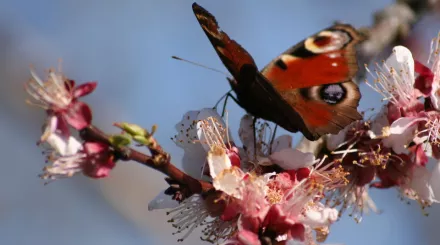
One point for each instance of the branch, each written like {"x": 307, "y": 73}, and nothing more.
{"x": 162, "y": 164}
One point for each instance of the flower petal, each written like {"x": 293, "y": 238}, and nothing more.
{"x": 246, "y": 131}
{"x": 401, "y": 133}
{"x": 218, "y": 161}
{"x": 229, "y": 181}
{"x": 424, "y": 82}
{"x": 380, "y": 121}
{"x": 78, "y": 115}
{"x": 194, "y": 154}
{"x": 282, "y": 142}
{"x": 319, "y": 217}
{"x": 292, "y": 159}
{"x": 84, "y": 89}
{"x": 402, "y": 59}
{"x": 211, "y": 116}
{"x": 420, "y": 184}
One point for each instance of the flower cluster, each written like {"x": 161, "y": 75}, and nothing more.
{"x": 407, "y": 128}
{"x": 262, "y": 190}
{"x": 59, "y": 97}
{"x": 266, "y": 192}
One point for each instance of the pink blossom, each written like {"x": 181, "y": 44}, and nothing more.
{"x": 68, "y": 156}
{"x": 59, "y": 97}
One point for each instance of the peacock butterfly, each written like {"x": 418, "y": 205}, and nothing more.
{"x": 307, "y": 88}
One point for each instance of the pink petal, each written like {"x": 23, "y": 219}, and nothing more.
{"x": 95, "y": 147}
{"x": 421, "y": 159}
{"x": 79, "y": 115}
{"x": 276, "y": 220}
{"x": 69, "y": 85}
{"x": 234, "y": 156}
{"x": 292, "y": 159}
{"x": 84, "y": 89}
{"x": 302, "y": 173}
{"x": 231, "y": 211}
{"x": 393, "y": 112}
{"x": 425, "y": 79}
{"x": 297, "y": 232}
{"x": 100, "y": 169}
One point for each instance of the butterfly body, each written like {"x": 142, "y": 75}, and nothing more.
{"x": 307, "y": 88}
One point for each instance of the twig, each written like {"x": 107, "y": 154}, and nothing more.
{"x": 92, "y": 133}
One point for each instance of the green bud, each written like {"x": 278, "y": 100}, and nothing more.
{"x": 132, "y": 129}
{"x": 141, "y": 139}
{"x": 120, "y": 140}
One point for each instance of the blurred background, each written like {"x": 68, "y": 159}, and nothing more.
{"x": 126, "y": 46}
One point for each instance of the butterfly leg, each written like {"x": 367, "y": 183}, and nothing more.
{"x": 225, "y": 97}
{"x": 273, "y": 138}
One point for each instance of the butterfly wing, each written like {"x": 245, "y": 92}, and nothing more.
{"x": 254, "y": 93}
{"x": 230, "y": 52}
{"x": 314, "y": 78}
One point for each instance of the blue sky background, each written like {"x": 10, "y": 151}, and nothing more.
{"x": 126, "y": 46}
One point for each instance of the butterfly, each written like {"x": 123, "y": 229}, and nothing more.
{"x": 307, "y": 88}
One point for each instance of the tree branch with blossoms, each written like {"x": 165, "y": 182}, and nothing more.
{"x": 264, "y": 191}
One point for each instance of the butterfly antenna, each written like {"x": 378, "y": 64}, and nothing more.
{"x": 200, "y": 65}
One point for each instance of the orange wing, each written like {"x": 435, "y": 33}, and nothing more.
{"x": 327, "y": 57}
{"x": 314, "y": 78}
{"x": 230, "y": 52}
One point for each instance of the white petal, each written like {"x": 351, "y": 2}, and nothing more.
{"x": 402, "y": 132}
{"x": 230, "y": 182}
{"x": 380, "y": 121}
{"x": 402, "y": 124}
{"x": 186, "y": 130}
{"x": 335, "y": 140}
{"x": 320, "y": 217}
{"x": 162, "y": 201}
{"x": 203, "y": 116}
{"x": 402, "y": 59}
{"x": 73, "y": 146}
{"x": 434, "y": 181}
{"x": 218, "y": 161}
{"x": 194, "y": 154}
{"x": 282, "y": 142}
{"x": 246, "y": 132}
{"x": 313, "y": 147}
{"x": 194, "y": 157}
{"x": 63, "y": 146}
{"x": 292, "y": 159}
